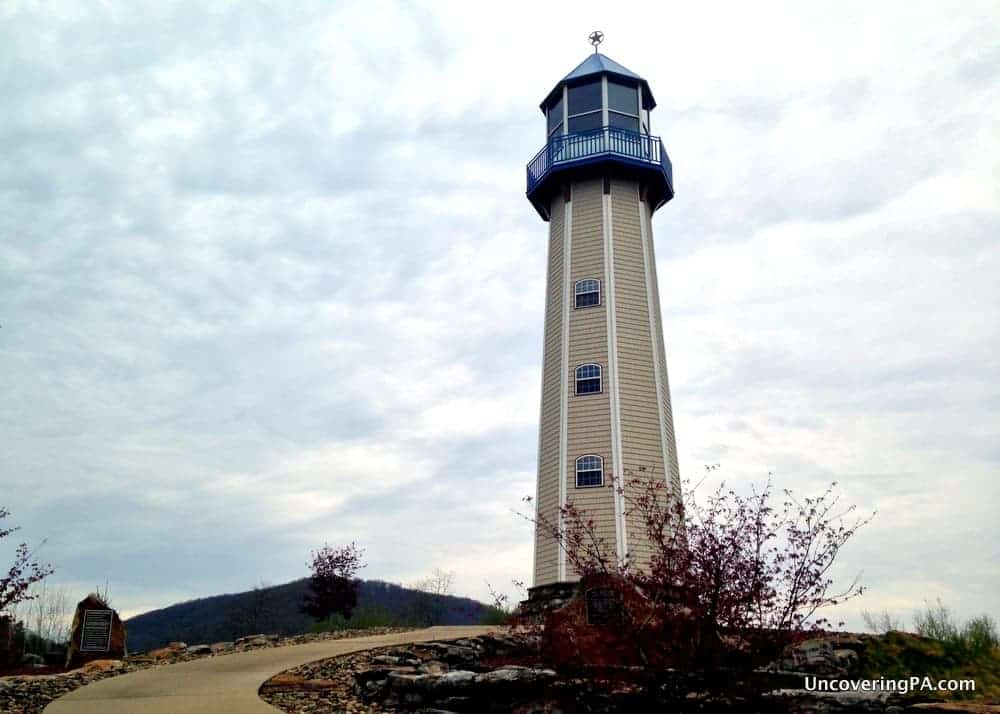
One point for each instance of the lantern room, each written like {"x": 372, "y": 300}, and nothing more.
{"x": 597, "y": 121}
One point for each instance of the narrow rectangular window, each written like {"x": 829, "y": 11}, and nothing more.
{"x": 589, "y": 471}
{"x": 587, "y": 293}
{"x": 588, "y": 379}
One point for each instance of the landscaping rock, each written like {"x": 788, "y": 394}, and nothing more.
{"x": 453, "y": 680}
{"x": 844, "y": 658}
{"x": 285, "y": 679}
{"x": 432, "y": 666}
{"x": 103, "y": 665}
{"x": 255, "y": 641}
{"x": 798, "y": 700}
{"x": 161, "y": 654}
{"x": 409, "y": 682}
{"x": 394, "y": 660}
{"x": 826, "y": 656}
{"x": 199, "y": 650}
{"x": 459, "y": 653}
{"x": 514, "y": 675}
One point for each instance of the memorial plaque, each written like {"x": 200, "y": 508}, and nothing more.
{"x": 604, "y": 606}
{"x": 96, "y": 633}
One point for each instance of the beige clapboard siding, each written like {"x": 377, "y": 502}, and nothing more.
{"x": 642, "y": 448}
{"x": 589, "y": 415}
{"x": 546, "y": 549}
{"x": 641, "y": 365}
{"x": 673, "y": 467}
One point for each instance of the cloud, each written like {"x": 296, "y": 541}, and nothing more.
{"x": 268, "y": 279}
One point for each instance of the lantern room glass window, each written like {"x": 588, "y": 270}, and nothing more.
{"x": 620, "y": 121}
{"x": 585, "y": 122}
{"x": 584, "y": 98}
{"x": 584, "y": 107}
{"x": 588, "y": 379}
{"x": 623, "y": 98}
{"x": 589, "y": 471}
{"x": 556, "y": 117}
{"x": 623, "y": 106}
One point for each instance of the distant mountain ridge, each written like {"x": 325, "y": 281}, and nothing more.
{"x": 275, "y": 609}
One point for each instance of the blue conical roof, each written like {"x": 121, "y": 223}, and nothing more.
{"x": 597, "y": 64}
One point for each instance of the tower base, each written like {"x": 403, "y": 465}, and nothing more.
{"x": 546, "y": 598}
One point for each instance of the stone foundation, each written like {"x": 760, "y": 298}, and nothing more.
{"x": 546, "y": 598}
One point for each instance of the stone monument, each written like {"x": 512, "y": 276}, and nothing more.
{"x": 97, "y": 633}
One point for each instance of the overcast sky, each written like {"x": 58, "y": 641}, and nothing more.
{"x": 268, "y": 278}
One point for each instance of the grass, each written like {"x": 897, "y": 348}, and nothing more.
{"x": 493, "y": 615}
{"x": 941, "y": 649}
{"x": 366, "y": 617}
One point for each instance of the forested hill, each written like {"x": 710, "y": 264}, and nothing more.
{"x": 276, "y": 610}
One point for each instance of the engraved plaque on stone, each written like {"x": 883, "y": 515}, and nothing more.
{"x": 604, "y": 606}
{"x": 95, "y": 636}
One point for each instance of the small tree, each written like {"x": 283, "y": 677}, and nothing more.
{"x": 976, "y": 638}
{"x": 731, "y": 567}
{"x": 333, "y": 587}
{"x": 47, "y": 618}
{"x": 105, "y": 594}
{"x": 881, "y": 622}
{"x": 438, "y": 583}
{"x": 23, "y": 573}
{"x": 502, "y": 611}
{"x": 428, "y": 607}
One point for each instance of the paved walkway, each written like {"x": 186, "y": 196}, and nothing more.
{"x": 225, "y": 684}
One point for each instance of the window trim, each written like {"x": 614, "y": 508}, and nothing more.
{"x": 576, "y": 470}
{"x": 577, "y": 293}
{"x": 577, "y": 379}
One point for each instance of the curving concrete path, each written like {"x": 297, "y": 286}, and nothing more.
{"x": 227, "y": 683}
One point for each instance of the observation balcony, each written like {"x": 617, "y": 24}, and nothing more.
{"x": 628, "y": 153}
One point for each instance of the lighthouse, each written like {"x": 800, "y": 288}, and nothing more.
{"x": 605, "y": 402}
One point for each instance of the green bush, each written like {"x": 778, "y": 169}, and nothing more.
{"x": 365, "y": 617}
{"x": 937, "y": 623}
{"x": 898, "y": 655}
{"x": 944, "y": 650}
{"x": 979, "y": 636}
{"x": 881, "y": 622}
{"x": 493, "y": 615}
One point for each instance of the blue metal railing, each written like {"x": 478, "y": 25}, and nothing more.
{"x": 586, "y": 146}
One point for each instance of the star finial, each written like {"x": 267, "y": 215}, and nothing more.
{"x": 596, "y": 38}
